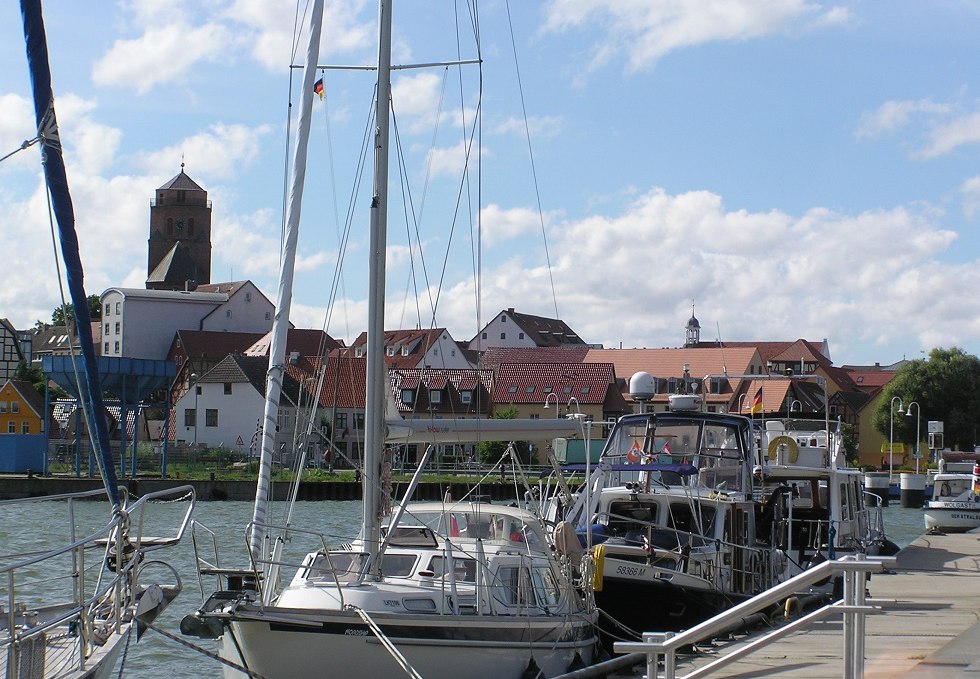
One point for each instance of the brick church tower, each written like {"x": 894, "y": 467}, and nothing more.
{"x": 180, "y": 236}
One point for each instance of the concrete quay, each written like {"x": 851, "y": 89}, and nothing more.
{"x": 929, "y": 626}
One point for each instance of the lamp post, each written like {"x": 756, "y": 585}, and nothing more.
{"x": 740, "y": 401}
{"x": 795, "y": 402}
{"x": 546, "y": 406}
{"x": 194, "y": 386}
{"x": 918, "y": 421}
{"x": 574, "y": 400}
{"x": 891, "y": 431}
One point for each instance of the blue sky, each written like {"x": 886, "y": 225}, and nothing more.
{"x": 794, "y": 169}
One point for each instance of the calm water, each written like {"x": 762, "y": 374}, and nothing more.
{"x": 157, "y": 656}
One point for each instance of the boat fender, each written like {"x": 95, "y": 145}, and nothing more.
{"x": 888, "y": 548}
{"x": 815, "y": 560}
{"x": 791, "y": 607}
{"x": 532, "y": 671}
{"x": 576, "y": 664}
{"x": 599, "y": 559}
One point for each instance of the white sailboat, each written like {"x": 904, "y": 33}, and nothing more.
{"x": 71, "y": 599}
{"x": 445, "y": 589}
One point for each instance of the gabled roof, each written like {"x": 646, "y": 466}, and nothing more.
{"x": 213, "y": 343}
{"x": 778, "y": 351}
{"x": 670, "y": 362}
{"x": 304, "y": 341}
{"x": 229, "y": 288}
{"x": 238, "y": 369}
{"x": 494, "y": 356}
{"x": 526, "y": 383}
{"x": 450, "y": 382}
{"x": 544, "y": 332}
{"x": 28, "y": 394}
{"x": 181, "y": 181}
{"x": 344, "y": 379}
{"x": 175, "y": 268}
{"x": 410, "y": 346}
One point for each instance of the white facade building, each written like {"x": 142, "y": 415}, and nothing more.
{"x": 138, "y": 323}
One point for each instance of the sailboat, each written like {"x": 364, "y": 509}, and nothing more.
{"x": 72, "y": 600}
{"x": 436, "y": 590}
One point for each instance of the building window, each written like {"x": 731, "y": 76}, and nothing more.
{"x": 117, "y": 327}
{"x": 105, "y": 351}
{"x": 3, "y": 406}
{"x": 435, "y": 396}
{"x": 566, "y": 390}
{"x": 339, "y": 423}
{"x": 115, "y": 347}
{"x": 408, "y": 396}
{"x": 503, "y": 319}
{"x": 405, "y": 351}
{"x": 227, "y": 313}
{"x": 466, "y": 396}
{"x": 268, "y": 315}
{"x": 534, "y": 416}
{"x": 391, "y": 351}
{"x": 512, "y": 389}
{"x": 248, "y": 295}
{"x": 118, "y": 306}
{"x": 547, "y": 390}
{"x": 359, "y": 352}
{"x": 15, "y": 406}
{"x": 211, "y": 417}
{"x": 358, "y": 421}
{"x": 586, "y": 389}
{"x": 105, "y": 330}
{"x": 530, "y": 389}
{"x": 190, "y": 417}
{"x": 520, "y": 336}
{"x": 11, "y": 427}
{"x": 227, "y": 388}
{"x": 108, "y": 309}
{"x": 25, "y": 428}
{"x": 503, "y": 335}
{"x": 483, "y": 336}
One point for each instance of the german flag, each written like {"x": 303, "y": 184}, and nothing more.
{"x": 318, "y": 89}
{"x": 756, "y": 406}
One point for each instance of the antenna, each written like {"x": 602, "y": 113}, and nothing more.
{"x": 724, "y": 363}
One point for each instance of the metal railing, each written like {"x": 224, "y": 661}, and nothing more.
{"x": 853, "y": 607}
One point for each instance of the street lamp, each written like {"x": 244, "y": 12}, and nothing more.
{"x": 918, "y": 422}
{"x": 574, "y": 400}
{"x": 740, "y": 400}
{"x": 891, "y": 431}
{"x": 194, "y": 386}
{"x": 796, "y": 402}
{"x": 546, "y": 406}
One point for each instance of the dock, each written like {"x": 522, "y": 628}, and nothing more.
{"x": 928, "y": 628}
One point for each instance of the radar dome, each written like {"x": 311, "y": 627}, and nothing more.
{"x": 642, "y": 386}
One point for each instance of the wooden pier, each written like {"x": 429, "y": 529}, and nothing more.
{"x": 928, "y": 628}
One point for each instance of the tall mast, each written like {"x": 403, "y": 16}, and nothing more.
{"x": 280, "y": 324}
{"x": 376, "y": 372}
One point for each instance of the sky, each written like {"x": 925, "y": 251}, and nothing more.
{"x": 785, "y": 168}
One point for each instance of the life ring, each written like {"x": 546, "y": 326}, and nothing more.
{"x": 791, "y": 446}
{"x": 599, "y": 560}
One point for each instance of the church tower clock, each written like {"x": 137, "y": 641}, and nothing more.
{"x": 180, "y": 236}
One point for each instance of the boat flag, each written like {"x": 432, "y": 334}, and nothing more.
{"x": 976, "y": 479}
{"x": 756, "y": 406}
{"x": 318, "y": 89}
{"x": 633, "y": 456}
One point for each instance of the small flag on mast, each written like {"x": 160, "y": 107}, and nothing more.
{"x": 756, "y": 403}
{"x": 318, "y": 88}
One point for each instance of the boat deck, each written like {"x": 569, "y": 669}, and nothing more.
{"x": 929, "y": 627}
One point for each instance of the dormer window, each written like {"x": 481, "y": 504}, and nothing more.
{"x": 359, "y": 352}
{"x": 391, "y": 351}
{"x": 466, "y": 396}
{"x": 405, "y": 351}
{"x": 408, "y": 396}
{"x": 435, "y": 396}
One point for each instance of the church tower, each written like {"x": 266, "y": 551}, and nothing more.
{"x": 693, "y": 337}
{"x": 180, "y": 236}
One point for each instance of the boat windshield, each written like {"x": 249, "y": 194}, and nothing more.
{"x": 470, "y": 525}
{"x": 716, "y": 449}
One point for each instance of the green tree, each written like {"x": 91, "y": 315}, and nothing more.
{"x": 491, "y": 451}
{"x": 37, "y": 378}
{"x": 947, "y": 388}
{"x": 61, "y": 313}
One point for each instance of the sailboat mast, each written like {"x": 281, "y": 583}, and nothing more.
{"x": 284, "y": 297}
{"x": 376, "y": 371}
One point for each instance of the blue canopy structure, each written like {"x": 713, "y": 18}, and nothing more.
{"x": 131, "y": 380}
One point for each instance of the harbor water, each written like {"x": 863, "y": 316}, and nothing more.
{"x": 157, "y": 656}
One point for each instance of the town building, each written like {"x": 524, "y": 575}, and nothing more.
{"x": 430, "y": 348}
{"x": 510, "y": 328}
{"x": 179, "y": 245}
{"x": 10, "y": 350}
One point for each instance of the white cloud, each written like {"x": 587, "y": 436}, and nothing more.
{"x": 950, "y": 135}
{"x": 643, "y": 31}
{"x": 163, "y": 54}
{"x": 538, "y": 126}
{"x": 971, "y": 197}
{"x": 500, "y": 225}
{"x": 894, "y": 115}
{"x": 222, "y": 151}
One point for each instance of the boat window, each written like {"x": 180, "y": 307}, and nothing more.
{"x": 419, "y": 605}
{"x": 630, "y": 516}
{"x": 512, "y": 586}
{"x": 683, "y": 519}
{"x": 548, "y": 592}
{"x": 346, "y": 566}
{"x": 845, "y": 510}
{"x": 398, "y": 565}
{"x": 465, "y": 569}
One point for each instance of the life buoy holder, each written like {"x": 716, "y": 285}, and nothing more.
{"x": 599, "y": 562}
{"x": 791, "y": 446}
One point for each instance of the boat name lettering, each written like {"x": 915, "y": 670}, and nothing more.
{"x": 959, "y": 505}
{"x": 629, "y": 570}
{"x": 393, "y": 602}
{"x": 355, "y": 632}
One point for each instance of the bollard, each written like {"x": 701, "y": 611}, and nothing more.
{"x": 913, "y": 487}
{"x": 876, "y": 483}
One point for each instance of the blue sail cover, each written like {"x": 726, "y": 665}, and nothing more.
{"x": 57, "y": 181}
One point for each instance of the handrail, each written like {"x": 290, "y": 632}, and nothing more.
{"x": 852, "y": 606}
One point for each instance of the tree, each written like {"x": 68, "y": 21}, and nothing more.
{"x": 491, "y": 451}
{"x": 947, "y": 388}
{"x": 38, "y": 379}
{"x": 61, "y": 314}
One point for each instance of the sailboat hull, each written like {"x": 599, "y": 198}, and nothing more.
{"x": 294, "y": 643}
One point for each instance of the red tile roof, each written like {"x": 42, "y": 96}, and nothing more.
{"x": 524, "y": 383}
